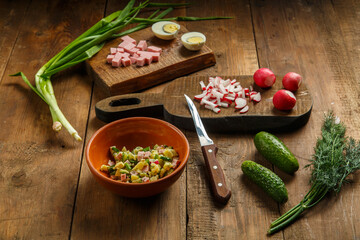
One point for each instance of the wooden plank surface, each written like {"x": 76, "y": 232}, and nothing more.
{"x": 46, "y": 189}
{"x": 175, "y": 61}
{"x": 306, "y": 37}
{"x": 99, "y": 214}
{"x": 39, "y": 169}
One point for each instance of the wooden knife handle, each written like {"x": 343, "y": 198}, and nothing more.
{"x": 130, "y": 105}
{"x": 218, "y": 184}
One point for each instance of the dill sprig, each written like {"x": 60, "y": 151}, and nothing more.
{"x": 335, "y": 157}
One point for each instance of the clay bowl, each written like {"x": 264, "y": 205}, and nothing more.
{"x": 133, "y": 132}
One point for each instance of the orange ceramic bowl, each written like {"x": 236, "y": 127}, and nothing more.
{"x": 133, "y": 132}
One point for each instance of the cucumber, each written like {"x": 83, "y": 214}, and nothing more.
{"x": 276, "y": 152}
{"x": 266, "y": 179}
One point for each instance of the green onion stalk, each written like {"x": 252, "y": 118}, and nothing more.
{"x": 91, "y": 42}
{"x": 335, "y": 157}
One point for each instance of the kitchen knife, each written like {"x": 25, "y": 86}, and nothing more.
{"x": 218, "y": 185}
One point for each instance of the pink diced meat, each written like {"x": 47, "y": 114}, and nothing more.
{"x": 155, "y": 56}
{"x": 133, "y": 60}
{"x": 154, "y": 49}
{"x": 140, "y": 61}
{"x": 142, "y": 45}
{"x": 123, "y": 177}
{"x": 129, "y": 46}
{"x": 120, "y": 50}
{"x": 145, "y": 179}
{"x": 113, "y": 51}
{"x": 136, "y": 55}
{"x": 110, "y": 58}
{"x": 116, "y": 62}
{"x": 148, "y": 59}
{"x": 128, "y": 39}
{"x": 132, "y": 51}
{"x": 126, "y": 62}
{"x": 145, "y": 169}
{"x": 118, "y": 55}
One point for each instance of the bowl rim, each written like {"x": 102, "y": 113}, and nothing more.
{"x": 98, "y": 174}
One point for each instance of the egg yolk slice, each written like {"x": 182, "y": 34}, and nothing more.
{"x": 170, "y": 28}
{"x": 195, "y": 40}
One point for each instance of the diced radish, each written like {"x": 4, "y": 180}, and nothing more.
{"x": 256, "y": 97}
{"x": 202, "y": 84}
{"x": 223, "y": 104}
{"x": 215, "y": 110}
{"x": 240, "y": 103}
{"x": 245, "y": 109}
{"x": 264, "y": 77}
{"x": 200, "y": 96}
{"x": 206, "y": 102}
{"x": 246, "y": 92}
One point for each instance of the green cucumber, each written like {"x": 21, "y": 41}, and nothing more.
{"x": 266, "y": 179}
{"x": 274, "y": 150}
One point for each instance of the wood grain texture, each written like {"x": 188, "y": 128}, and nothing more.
{"x": 175, "y": 61}
{"x": 99, "y": 214}
{"x": 308, "y": 37}
{"x": 39, "y": 169}
{"x": 248, "y": 209}
{"x": 11, "y": 17}
{"x": 171, "y": 105}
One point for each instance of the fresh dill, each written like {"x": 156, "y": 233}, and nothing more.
{"x": 336, "y": 156}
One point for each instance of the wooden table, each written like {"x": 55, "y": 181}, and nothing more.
{"x": 46, "y": 188}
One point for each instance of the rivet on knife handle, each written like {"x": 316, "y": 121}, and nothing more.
{"x": 218, "y": 184}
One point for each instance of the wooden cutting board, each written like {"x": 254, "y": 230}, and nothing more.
{"x": 172, "y": 107}
{"x": 175, "y": 61}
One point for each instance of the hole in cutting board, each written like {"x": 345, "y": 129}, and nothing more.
{"x": 124, "y": 102}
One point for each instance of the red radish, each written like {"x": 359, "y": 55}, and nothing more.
{"x": 264, "y": 77}
{"x": 240, "y": 103}
{"x": 292, "y": 81}
{"x": 284, "y": 100}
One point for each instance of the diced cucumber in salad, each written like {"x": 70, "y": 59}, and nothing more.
{"x": 141, "y": 164}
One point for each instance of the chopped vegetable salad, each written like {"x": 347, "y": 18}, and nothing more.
{"x": 141, "y": 164}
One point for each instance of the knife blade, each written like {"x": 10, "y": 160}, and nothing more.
{"x": 219, "y": 188}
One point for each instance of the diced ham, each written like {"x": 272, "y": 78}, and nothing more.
{"x": 140, "y": 61}
{"x": 126, "y": 61}
{"x": 154, "y": 49}
{"x": 111, "y": 163}
{"x": 136, "y": 55}
{"x": 155, "y": 56}
{"x": 118, "y": 55}
{"x": 129, "y": 46}
{"x": 142, "y": 45}
{"x": 113, "y": 51}
{"x": 123, "y": 177}
{"x": 175, "y": 162}
{"x": 148, "y": 59}
{"x": 132, "y": 51}
{"x": 128, "y": 39}
{"x": 145, "y": 169}
{"x": 116, "y": 62}
{"x": 109, "y": 58}
{"x": 133, "y": 60}
{"x": 120, "y": 50}
{"x": 145, "y": 179}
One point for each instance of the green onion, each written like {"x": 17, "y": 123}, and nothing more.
{"x": 127, "y": 166}
{"x": 165, "y": 158}
{"x": 88, "y": 44}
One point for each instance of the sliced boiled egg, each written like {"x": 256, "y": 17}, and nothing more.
{"x": 193, "y": 40}
{"x": 165, "y": 30}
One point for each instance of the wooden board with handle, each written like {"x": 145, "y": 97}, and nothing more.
{"x": 171, "y": 105}
{"x": 175, "y": 61}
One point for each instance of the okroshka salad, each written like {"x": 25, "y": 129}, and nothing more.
{"x": 141, "y": 165}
